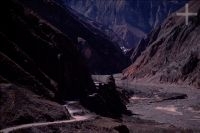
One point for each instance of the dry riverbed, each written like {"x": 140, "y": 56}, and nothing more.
{"x": 174, "y": 105}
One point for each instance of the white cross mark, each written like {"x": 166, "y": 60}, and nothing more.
{"x": 187, "y": 14}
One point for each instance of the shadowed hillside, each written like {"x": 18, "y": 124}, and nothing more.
{"x": 42, "y": 67}
{"x": 39, "y": 65}
{"x": 102, "y": 55}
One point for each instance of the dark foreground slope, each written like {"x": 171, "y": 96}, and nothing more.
{"x": 38, "y": 65}
{"x": 102, "y": 55}
{"x": 172, "y": 53}
{"x": 41, "y": 51}
{"x": 21, "y": 106}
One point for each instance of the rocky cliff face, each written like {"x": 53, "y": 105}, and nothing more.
{"x": 102, "y": 55}
{"x": 172, "y": 52}
{"x": 130, "y": 19}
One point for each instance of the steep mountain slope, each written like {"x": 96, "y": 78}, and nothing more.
{"x": 135, "y": 53}
{"x": 102, "y": 55}
{"x": 41, "y": 50}
{"x": 38, "y": 66}
{"x": 21, "y": 106}
{"x": 110, "y": 34}
{"x": 41, "y": 67}
{"x": 173, "y": 53}
{"x": 130, "y": 19}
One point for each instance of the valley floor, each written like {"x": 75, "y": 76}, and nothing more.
{"x": 163, "y": 103}
{"x": 157, "y": 108}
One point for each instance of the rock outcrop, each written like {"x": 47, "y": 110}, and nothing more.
{"x": 173, "y": 54}
{"x": 107, "y": 100}
{"x": 122, "y": 129}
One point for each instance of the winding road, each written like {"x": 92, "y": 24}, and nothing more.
{"x": 72, "y": 111}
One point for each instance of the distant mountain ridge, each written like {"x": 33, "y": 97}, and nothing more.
{"x": 130, "y": 19}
